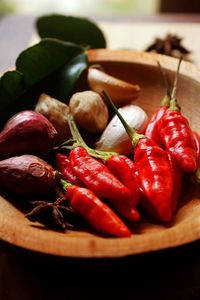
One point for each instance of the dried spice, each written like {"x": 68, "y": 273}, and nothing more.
{"x": 57, "y": 215}
{"x": 170, "y": 45}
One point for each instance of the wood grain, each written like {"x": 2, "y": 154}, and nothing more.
{"x": 147, "y": 236}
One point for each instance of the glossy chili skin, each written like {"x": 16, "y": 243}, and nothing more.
{"x": 64, "y": 167}
{"x": 103, "y": 183}
{"x": 124, "y": 169}
{"x": 177, "y": 174}
{"x": 95, "y": 212}
{"x": 156, "y": 178}
{"x": 152, "y": 129}
{"x": 178, "y": 139}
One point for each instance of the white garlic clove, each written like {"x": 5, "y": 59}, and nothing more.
{"x": 114, "y": 137}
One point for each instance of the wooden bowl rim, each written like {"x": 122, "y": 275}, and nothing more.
{"x": 146, "y": 58}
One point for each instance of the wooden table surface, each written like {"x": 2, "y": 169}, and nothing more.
{"x": 168, "y": 274}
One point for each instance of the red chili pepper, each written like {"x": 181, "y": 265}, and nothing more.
{"x": 154, "y": 171}
{"x": 178, "y": 138}
{"x": 177, "y": 174}
{"x": 63, "y": 165}
{"x": 124, "y": 169}
{"x": 103, "y": 183}
{"x": 156, "y": 178}
{"x": 136, "y": 176}
{"x": 177, "y": 184}
{"x": 152, "y": 130}
{"x": 95, "y": 212}
{"x": 177, "y": 135}
{"x": 120, "y": 165}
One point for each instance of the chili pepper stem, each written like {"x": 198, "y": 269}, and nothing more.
{"x": 65, "y": 184}
{"x": 173, "y": 102}
{"x": 67, "y": 144}
{"x": 74, "y": 131}
{"x": 78, "y": 141}
{"x": 134, "y": 136}
{"x": 165, "y": 101}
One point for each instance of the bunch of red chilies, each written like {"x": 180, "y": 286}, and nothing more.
{"x": 106, "y": 188}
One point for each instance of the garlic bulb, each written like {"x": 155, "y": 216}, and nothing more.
{"x": 56, "y": 112}
{"x": 114, "y": 137}
{"x": 120, "y": 91}
{"x": 89, "y": 111}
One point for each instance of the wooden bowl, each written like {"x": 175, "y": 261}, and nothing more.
{"x": 148, "y": 236}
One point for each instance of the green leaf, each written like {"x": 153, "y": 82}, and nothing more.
{"x": 45, "y": 58}
{"x": 76, "y": 30}
{"x": 63, "y": 81}
{"x": 35, "y": 68}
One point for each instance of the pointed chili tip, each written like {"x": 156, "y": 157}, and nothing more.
{"x": 189, "y": 165}
{"x": 168, "y": 217}
{"x": 131, "y": 215}
{"x": 163, "y": 214}
{"x": 135, "y": 215}
{"x": 124, "y": 232}
{"x": 119, "y": 229}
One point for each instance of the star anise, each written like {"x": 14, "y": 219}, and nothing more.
{"x": 57, "y": 215}
{"x": 171, "y": 45}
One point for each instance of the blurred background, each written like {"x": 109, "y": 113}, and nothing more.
{"x": 126, "y": 24}
{"x": 98, "y": 7}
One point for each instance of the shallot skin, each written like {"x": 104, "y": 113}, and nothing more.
{"x": 27, "y": 132}
{"x": 26, "y": 175}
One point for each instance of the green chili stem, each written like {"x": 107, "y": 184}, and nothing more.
{"x": 173, "y": 102}
{"x": 65, "y": 184}
{"x": 75, "y": 132}
{"x": 165, "y": 101}
{"x": 132, "y": 133}
{"x": 103, "y": 155}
